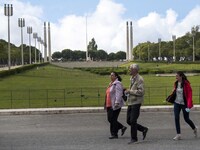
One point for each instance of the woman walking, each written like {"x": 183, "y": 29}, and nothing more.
{"x": 113, "y": 104}
{"x": 183, "y": 102}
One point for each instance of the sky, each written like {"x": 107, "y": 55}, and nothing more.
{"x": 75, "y": 22}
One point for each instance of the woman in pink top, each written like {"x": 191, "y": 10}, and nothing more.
{"x": 113, "y": 104}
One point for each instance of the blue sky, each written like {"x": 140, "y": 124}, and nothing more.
{"x": 106, "y": 21}
{"x": 135, "y": 9}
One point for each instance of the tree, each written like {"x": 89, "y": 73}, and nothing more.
{"x": 102, "y": 55}
{"x": 56, "y": 55}
{"x": 92, "y": 46}
{"x": 67, "y": 54}
{"x": 111, "y": 56}
{"x": 120, "y": 55}
{"x": 78, "y": 55}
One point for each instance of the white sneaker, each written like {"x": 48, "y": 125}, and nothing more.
{"x": 177, "y": 137}
{"x": 195, "y": 132}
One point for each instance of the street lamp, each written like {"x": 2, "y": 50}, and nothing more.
{"x": 49, "y": 41}
{"x": 29, "y": 31}
{"x": 193, "y": 34}
{"x": 159, "y": 54}
{"x": 8, "y": 11}
{"x": 39, "y": 40}
{"x": 21, "y": 24}
{"x": 148, "y": 51}
{"x": 174, "y": 39}
{"x": 35, "y": 37}
{"x": 42, "y": 53}
{"x": 86, "y": 38}
{"x": 139, "y": 51}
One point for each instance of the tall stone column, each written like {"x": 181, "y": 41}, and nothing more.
{"x": 127, "y": 40}
{"x": 131, "y": 42}
{"x": 45, "y": 43}
{"x": 49, "y": 41}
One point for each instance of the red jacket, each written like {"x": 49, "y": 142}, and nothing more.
{"x": 187, "y": 91}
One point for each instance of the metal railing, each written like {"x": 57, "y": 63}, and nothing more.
{"x": 78, "y": 97}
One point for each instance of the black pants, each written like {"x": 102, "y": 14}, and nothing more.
{"x": 133, "y": 113}
{"x": 177, "y": 109}
{"x": 112, "y": 116}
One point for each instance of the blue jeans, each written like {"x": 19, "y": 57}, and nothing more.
{"x": 177, "y": 109}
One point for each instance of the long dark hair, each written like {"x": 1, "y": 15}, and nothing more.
{"x": 184, "y": 78}
{"x": 181, "y": 74}
{"x": 117, "y": 75}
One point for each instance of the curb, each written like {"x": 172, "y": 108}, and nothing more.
{"x": 71, "y": 110}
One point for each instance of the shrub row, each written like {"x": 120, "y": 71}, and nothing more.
{"x": 124, "y": 70}
{"x": 5, "y": 73}
{"x": 105, "y": 70}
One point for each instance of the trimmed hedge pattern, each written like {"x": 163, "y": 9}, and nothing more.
{"x": 124, "y": 70}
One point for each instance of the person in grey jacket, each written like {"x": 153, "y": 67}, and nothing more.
{"x": 134, "y": 101}
{"x": 113, "y": 104}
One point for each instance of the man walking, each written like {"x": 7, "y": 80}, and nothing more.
{"x": 134, "y": 101}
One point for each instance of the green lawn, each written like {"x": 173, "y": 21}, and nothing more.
{"x": 167, "y": 66}
{"x": 51, "y": 86}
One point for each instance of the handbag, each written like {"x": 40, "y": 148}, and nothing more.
{"x": 172, "y": 97}
{"x": 124, "y": 96}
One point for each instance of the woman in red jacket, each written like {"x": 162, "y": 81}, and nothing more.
{"x": 183, "y": 102}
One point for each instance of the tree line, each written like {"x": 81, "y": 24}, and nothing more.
{"x": 186, "y": 47}
{"x": 93, "y": 54}
{"x": 15, "y": 53}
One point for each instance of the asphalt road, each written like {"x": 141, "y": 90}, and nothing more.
{"x": 90, "y": 131}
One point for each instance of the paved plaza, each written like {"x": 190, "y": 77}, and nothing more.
{"x": 90, "y": 131}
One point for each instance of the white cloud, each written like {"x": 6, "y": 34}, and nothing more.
{"x": 31, "y": 14}
{"x": 155, "y": 26}
{"x": 106, "y": 24}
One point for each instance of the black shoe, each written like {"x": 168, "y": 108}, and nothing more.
{"x": 145, "y": 133}
{"x": 113, "y": 137}
{"x": 133, "y": 142}
{"x": 123, "y": 130}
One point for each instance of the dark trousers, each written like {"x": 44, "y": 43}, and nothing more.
{"x": 177, "y": 109}
{"x": 112, "y": 116}
{"x": 133, "y": 113}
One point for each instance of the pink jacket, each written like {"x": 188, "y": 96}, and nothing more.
{"x": 116, "y": 92}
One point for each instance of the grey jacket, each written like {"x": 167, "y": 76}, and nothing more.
{"x": 136, "y": 95}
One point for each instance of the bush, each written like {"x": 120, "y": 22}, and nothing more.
{"x": 6, "y": 73}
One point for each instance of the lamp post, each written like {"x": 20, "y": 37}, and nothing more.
{"x": 35, "y": 37}
{"x": 45, "y": 43}
{"x": 21, "y": 24}
{"x": 8, "y": 11}
{"x": 39, "y": 40}
{"x": 193, "y": 51}
{"x": 86, "y": 38}
{"x": 148, "y": 51}
{"x": 49, "y": 41}
{"x": 174, "y": 39}
{"x": 42, "y": 53}
{"x": 159, "y": 54}
{"x": 139, "y": 51}
{"x": 29, "y": 31}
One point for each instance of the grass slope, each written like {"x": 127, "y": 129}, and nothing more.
{"x": 51, "y": 86}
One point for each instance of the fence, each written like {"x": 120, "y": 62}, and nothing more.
{"x": 79, "y": 97}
